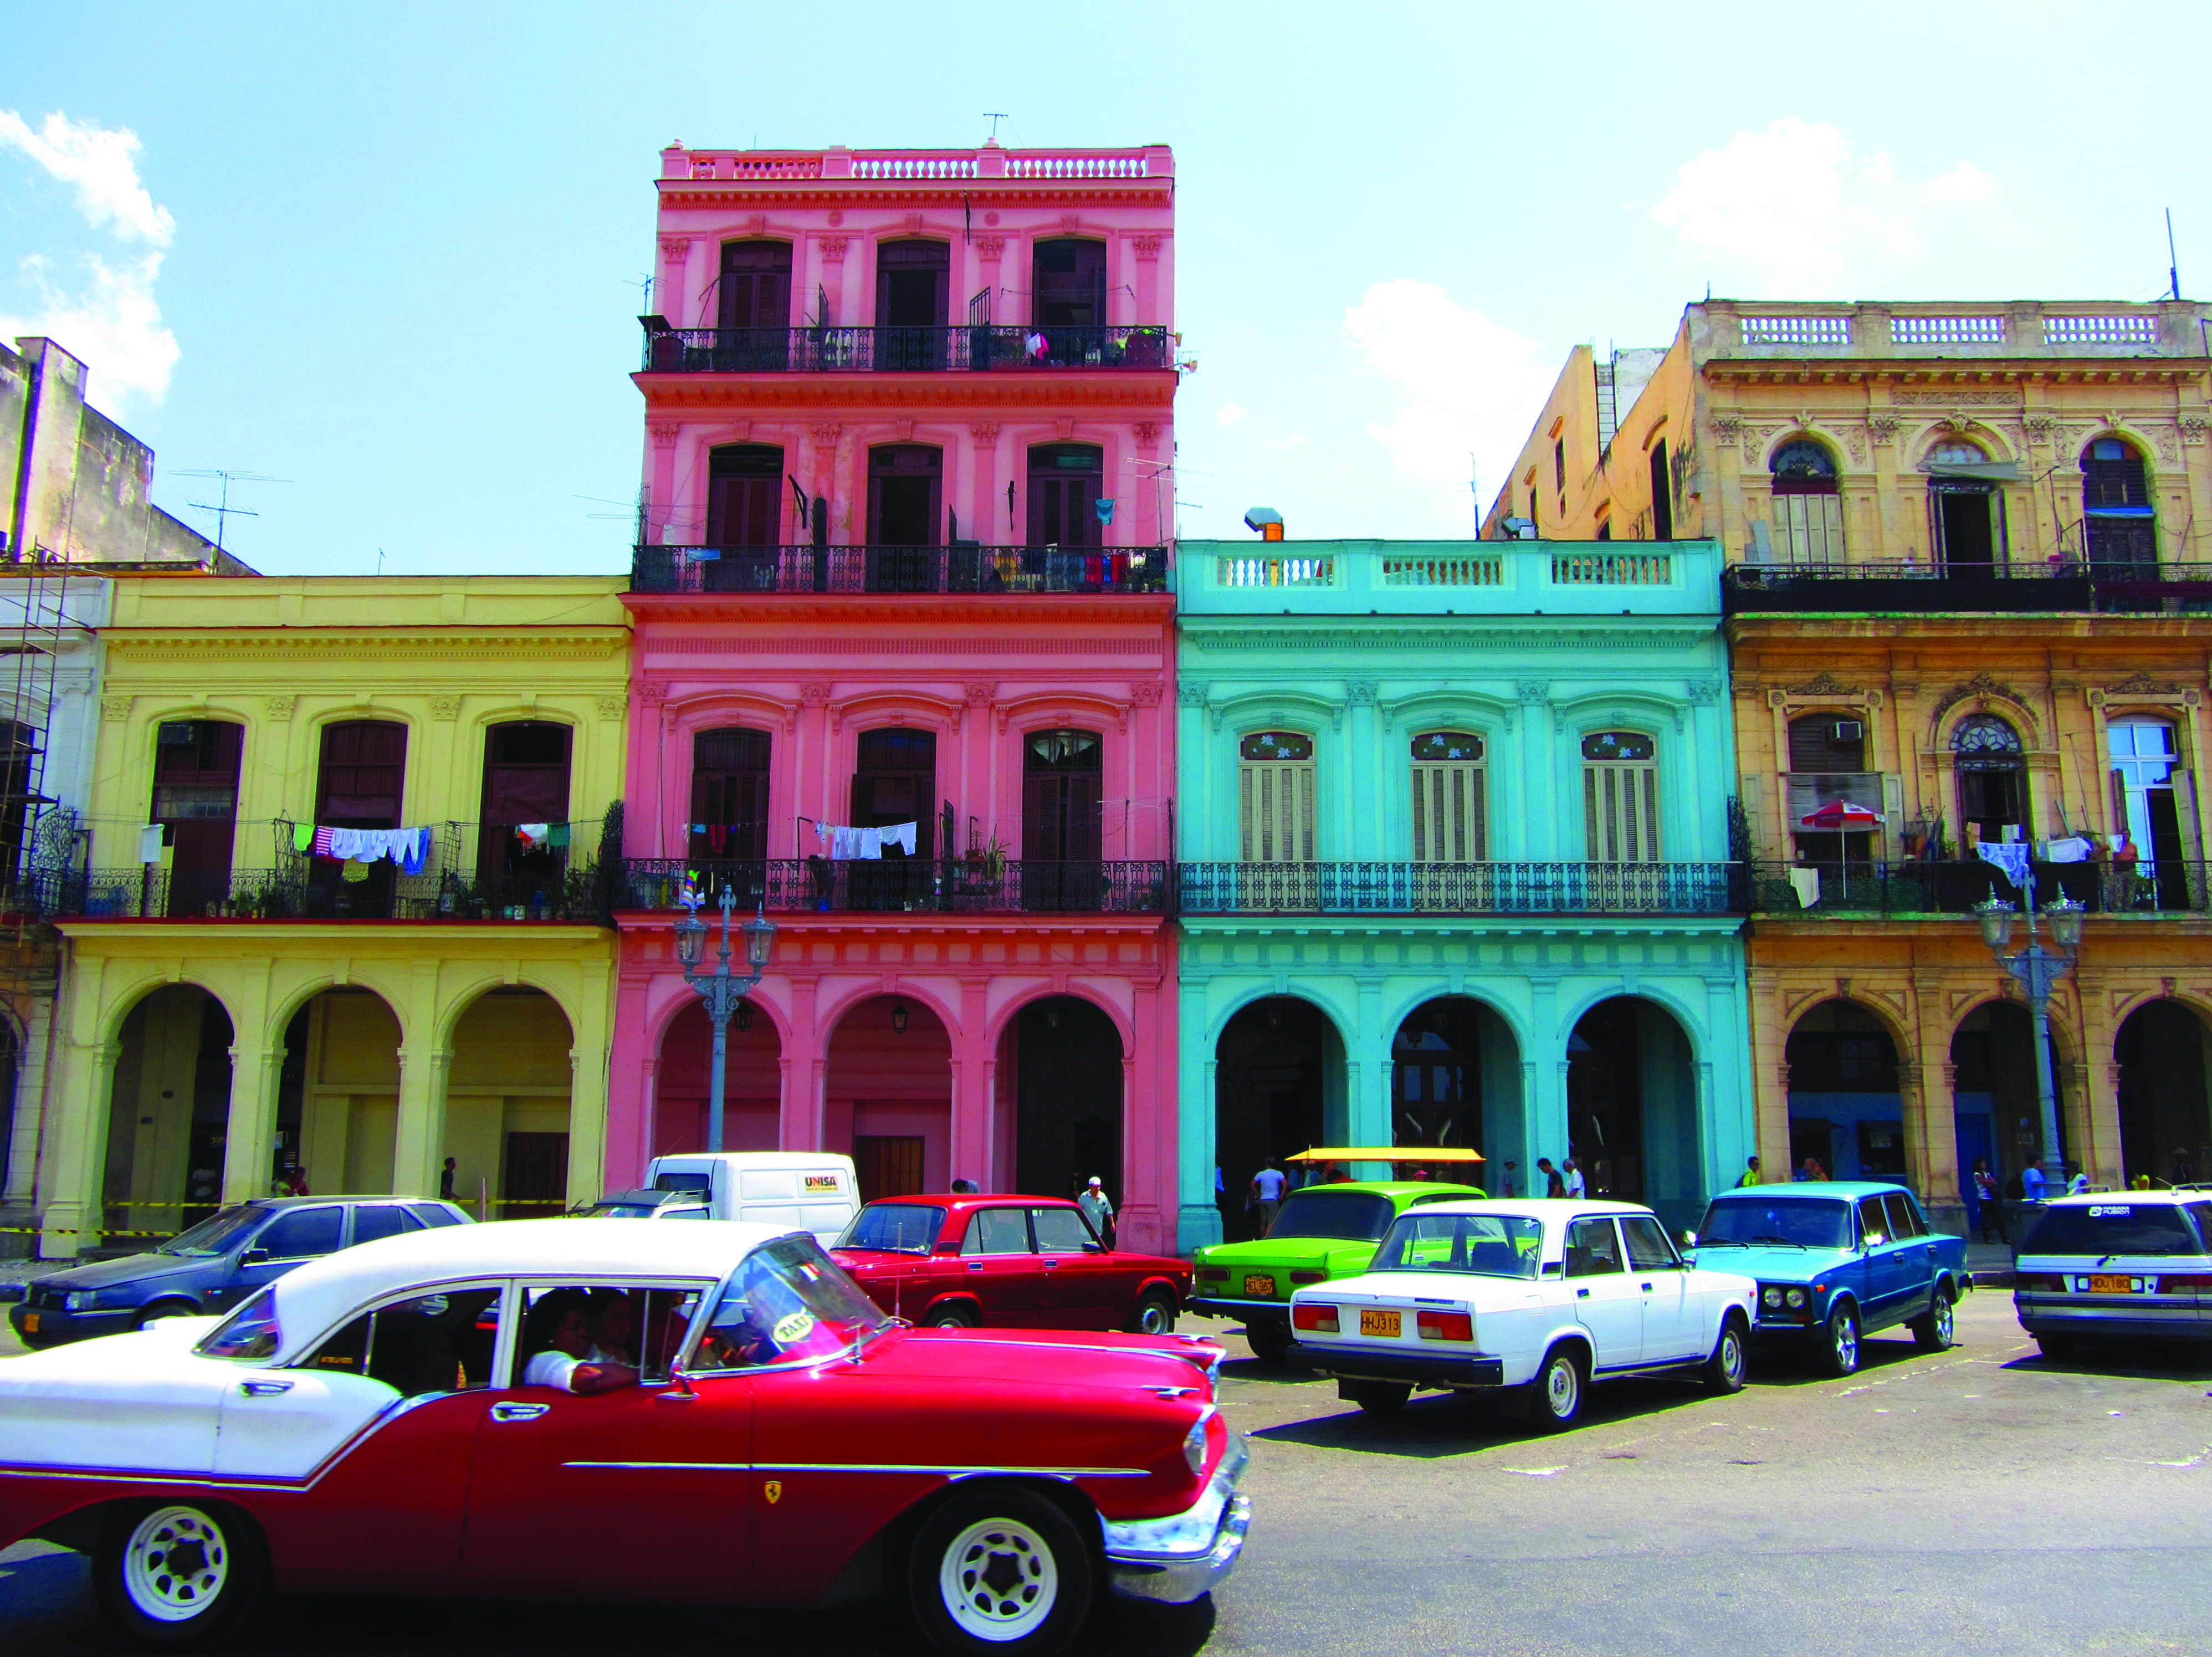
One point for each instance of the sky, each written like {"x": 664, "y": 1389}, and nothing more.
{"x": 388, "y": 258}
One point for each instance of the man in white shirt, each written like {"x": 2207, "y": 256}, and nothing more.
{"x": 1576, "y": 1187}
{"x": 1098, "y": 1209}
{"x": 1266, "y": 1197}
{"x": 559, "y": 1329}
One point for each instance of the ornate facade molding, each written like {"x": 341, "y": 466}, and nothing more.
{"x": 833, "y": 249}
{"x": 1190, "y": 692}
{"x": 1146, "y": 247}
{"x": 279, "y": 707}
{"x": 989, "y": 249}
{"x": 1982, "y": 685}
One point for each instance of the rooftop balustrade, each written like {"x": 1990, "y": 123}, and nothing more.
{"x": 978, "y": 569}
{"x": 986, "y": 162}
{"x": 1496, "y": 577}
{"x": 1922, "y": 588}
{"x": 1766, "y": 329}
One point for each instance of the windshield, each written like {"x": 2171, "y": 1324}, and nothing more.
{"x": 1488, "y": 1244}
{"x": 2102, "y": 1228}
{"x": 1810, "y": 1221}
{"x": 215, "y": 1234}
{"x": 788, "y": 1301}
{"x": 897, "y": 1227}
{"x": 1356, "y": 1216}
{"x": 250, "y": 1334}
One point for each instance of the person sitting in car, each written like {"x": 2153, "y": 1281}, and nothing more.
{"x": 557, "y": 1335}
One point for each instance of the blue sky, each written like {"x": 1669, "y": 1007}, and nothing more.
{"x": 386, "y": 253}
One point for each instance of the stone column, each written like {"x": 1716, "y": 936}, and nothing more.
{"x": 587, "y": 1088}
{"x": 24, "y": 1137}
{"x": 2092, "y": 1101}
{"x": 418, "y": 1150}
{"x": 1769, "y": 1076}
{"x": 975, "y": 1075}
{"x": 69, "y": 1177}
{"x": 257, "y": 1053}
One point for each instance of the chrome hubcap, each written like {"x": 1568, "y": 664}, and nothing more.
{"x": 1155, "y": 1319}
{"x": 175, "y": 1564}
{"x": 1943, "y": 1320}
{"x": 1847, "y": 1343}
{"x": 998, "y": 1579}
{"x": 1731, "y": 1353}
{"x": 1561, "y": 1387}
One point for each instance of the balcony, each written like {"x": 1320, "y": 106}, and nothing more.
{"x": 902, "y": 885}
{"x": 1756, "y": 330}
{"x": 989, "y": 348}
{"x": 2171, "y": 887}
{"x": 1379, "y": 889}
{"x": 1928, "y": 589}
{"x": 1653, "y": 579}
{"x": 899, "y": 570}
{"x": 460, "y": 880}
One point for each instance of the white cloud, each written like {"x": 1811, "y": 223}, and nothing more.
{"x": 1230, "y": 414}
{"x": 1471, "y": 386}
{"x": 111, "y": 319}
{"x": 1794, "y": 213}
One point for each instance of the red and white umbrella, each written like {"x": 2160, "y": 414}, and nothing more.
{"x": 1842, "y": 814}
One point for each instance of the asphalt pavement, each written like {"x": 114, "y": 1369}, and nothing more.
{"x": 1975, "y": 1501}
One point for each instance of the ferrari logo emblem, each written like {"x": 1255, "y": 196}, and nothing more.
{"x": 773, "y": 1490}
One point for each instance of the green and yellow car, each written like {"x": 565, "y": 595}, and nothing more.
{"x": 1323, "y": 1231}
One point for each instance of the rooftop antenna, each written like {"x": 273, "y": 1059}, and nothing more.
{"x": 2172, "y": 264}
{"x": 379, "y": 560}
{"x": 994, "y": 116}
{"x": 221, "y": 507}
{"x": 644, "y": 286}
{"x": 1474, "y": 489}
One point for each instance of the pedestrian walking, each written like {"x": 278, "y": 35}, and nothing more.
{"x": 1578, "y": 1188}
{"x": 2078, "y": 1182}
{"x": 1098, "y": 1209}
{"x": 445, "y": 1180}
{"x": 1989, "y": 1196}
{"x": 1750, "y": 1176}
{"x": 2030, "y": 1183}
{"x": 1266, "y": 1198}
{"x": 1554, "y": 1185}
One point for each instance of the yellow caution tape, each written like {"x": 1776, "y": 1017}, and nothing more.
{"x": 68, "y": 1231}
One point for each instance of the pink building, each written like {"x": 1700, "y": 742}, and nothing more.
{"x": 908, "y": 481}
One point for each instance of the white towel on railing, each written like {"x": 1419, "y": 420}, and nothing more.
{"x": 149, "y": 843}
{"x": 1806, "y": 883}
{"x": 901, "y": 835}
{"x": 2074, "y": 849}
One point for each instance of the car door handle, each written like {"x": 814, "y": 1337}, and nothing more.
{"x": 1647, "y": 1289}
{"x": 518, "y": 1412}
{"x": 975, "y": 1266}
{"x": 264, "y": 1389}
{"x": 1052, "y": 1265}
{"x": 1582, "y": 1295}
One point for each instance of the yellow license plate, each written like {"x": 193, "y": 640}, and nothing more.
{"x": 1373, "y": 1322}
{"x": 1262, "y": 1286}
{"x": 30, "y": 1323}
{"x": 2101, "y": 1285}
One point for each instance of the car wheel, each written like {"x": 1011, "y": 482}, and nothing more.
{"x": 1270, "y": 1341}
{"x": 1935, "y": 1332}
{"x": 1724, "y": 1370}
{"x": 1384, "y": 1398}
{"x": 950, "y": 1317}
{"x": 2057, "y": 1348}
{"x": 1841, "y": 1355}
{"x": 1155, "y": 1315}
{"x": 180, "y": 1577}
{"x": 1001, "y": 1570}
{"x": 147, "y": 1316}
{"x": 1555, "y": 1396}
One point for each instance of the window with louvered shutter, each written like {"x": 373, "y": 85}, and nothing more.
{"x": 1448, "y": 805}
{"x": 1275, "y": 791}
{"x": 1621, "y": 798}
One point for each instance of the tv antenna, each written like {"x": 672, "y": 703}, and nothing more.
{"x": 221, "y": 506}
{"x": 994, "y": 116}
{"x": 644, "y": 286}
{"x": 2172, "y": 264}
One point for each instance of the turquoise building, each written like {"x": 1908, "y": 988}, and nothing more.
{"x": 1453, "y": 820}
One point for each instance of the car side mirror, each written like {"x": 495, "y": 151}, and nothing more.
{"x": 1094, "y": 1248}
{"x": 254, "y": 1256}
{"x": 1689, "y": 1239}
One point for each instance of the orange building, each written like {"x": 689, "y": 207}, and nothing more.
{"x": 1965, "y": 603}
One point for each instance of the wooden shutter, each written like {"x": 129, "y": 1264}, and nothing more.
{"x": 1448, "y": 825}
{"x": 1621, "y": 812}
{"x": 1275, "y": 810}
{"x": 1810, "y": 528}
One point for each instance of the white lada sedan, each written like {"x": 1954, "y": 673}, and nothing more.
{"x": 1540, "y": 1296}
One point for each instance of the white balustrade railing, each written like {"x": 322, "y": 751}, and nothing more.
{"x": 1612, "y": 569}
{"x": 1275, "y": 572}
{"x": 1796, "y": 330}
{"x": 1032, "y": 165}
{"x": 908, "y": 165}
{"x": 1443, "y": 569}
{"x": 1947, "y": 330}
{"x": 2138, "y": 330}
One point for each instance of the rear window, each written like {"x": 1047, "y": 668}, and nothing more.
{"x": 1356, "y": 1216}
{"x": 433, "y": 1215}
{"x": 386, "y": 1220}
{"x": 702, "y": 1183}
{"x": 2100, "y": 1228}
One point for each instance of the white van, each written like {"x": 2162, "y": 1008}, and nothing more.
{"x": 816, "y": 1190}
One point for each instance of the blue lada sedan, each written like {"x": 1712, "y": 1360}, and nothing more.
{"x": 1836, "y": 1260}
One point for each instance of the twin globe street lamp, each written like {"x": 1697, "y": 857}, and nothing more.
{"x": 723, "y": 990}
{"x": 2039, "y": 971}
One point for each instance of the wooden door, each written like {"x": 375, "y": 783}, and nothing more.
{"x": 1448, "y": 822}
{"x": 1062, "y": 820}
{"x": 753, "y": 306}
{"x": 729, "y": 795}
{"x": 359, "y": 784}
{"x": 1064, "y": 482}
{"x": 196, "y": 766}
{"x": 534, "y": 1176}
{"x": 744, "y": 504}
{"x": 526, "y": 780}
{"x": 889, "y": 1165}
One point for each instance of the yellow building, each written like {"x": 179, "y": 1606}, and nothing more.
{"x": 1967, "y": 602}
{"x": 240, "y": 1012}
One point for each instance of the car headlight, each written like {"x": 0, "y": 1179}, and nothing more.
{"x": 1772, "y": 1298}
{"x": 1797, "y": 1299}
{"x": 79, "y": 1301}
{"x": 1194, "y": 1443}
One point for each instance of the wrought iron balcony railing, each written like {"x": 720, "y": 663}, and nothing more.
{"x": 899, "y": 570}
{"x": 991, "y": 347}
{"x": 2022, "y": 584}
{"x": 2169, "y": 886}
{"x": 1391, "y": 888}
{"x": 900, "y": 885}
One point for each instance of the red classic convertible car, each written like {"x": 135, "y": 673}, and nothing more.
{"x": 557, "y": 1408}
{"x": 956, "y": 1262}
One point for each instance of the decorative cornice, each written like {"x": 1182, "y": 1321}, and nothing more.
{"x": 1823, "y": 683}
{"x": 1008, "y": 616}
{"x": 1981, "y": 685}
{"x": 380, "y": 644}
{"x": 785, "y": 196}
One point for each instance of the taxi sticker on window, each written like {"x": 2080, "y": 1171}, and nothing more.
{"x": 793, "y": 1327}
{"x": 2120, "y": 1209}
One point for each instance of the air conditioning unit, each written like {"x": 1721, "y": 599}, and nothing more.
{"x": 1851, "y": 730}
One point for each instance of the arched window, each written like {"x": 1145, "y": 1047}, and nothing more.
{"x": 2119, "y": 526}
{"x": 1966, "y": 509}
{"x": 1621, "y": 798}
{"x": 1992, "y": 771}
{"x": 1275, "y": 787}
{"x": 1449, "y": 825}
{"x": 1808, "y": 513}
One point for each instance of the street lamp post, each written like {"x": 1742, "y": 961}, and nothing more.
{"x": 2039, "y": 971}
{"x": 723, "y": 990}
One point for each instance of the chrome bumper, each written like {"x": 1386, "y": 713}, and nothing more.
{"x": 1187, "y": 1555}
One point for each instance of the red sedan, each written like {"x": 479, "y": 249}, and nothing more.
{"x": 956, "y": 1262}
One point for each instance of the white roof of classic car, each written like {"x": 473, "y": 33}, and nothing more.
{"x": 1553, "y": 1209}
{"x": 315, "y": 1297}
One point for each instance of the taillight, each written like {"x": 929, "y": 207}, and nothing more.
{"x": 1212, "y": 1274}
{"x": 1309, "y": 1276}
{"x": 1444, "y": 1325}
{"x": 2191, "y": 1284}
{"x": 1322, "y": 1319}
{"x": 2048, "y": 1282}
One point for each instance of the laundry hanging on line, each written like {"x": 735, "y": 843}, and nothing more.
{"x": 1806, "y": 883}
{"x": 865, "y": 844}
{"x": 410, "y": 847}
{"x": 2009, "y": 856}
{"x": 149, "y": 843}
{"x": 2074, "y": 849}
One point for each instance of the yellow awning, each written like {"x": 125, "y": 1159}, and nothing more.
{"x": 1386, "y": 1153}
